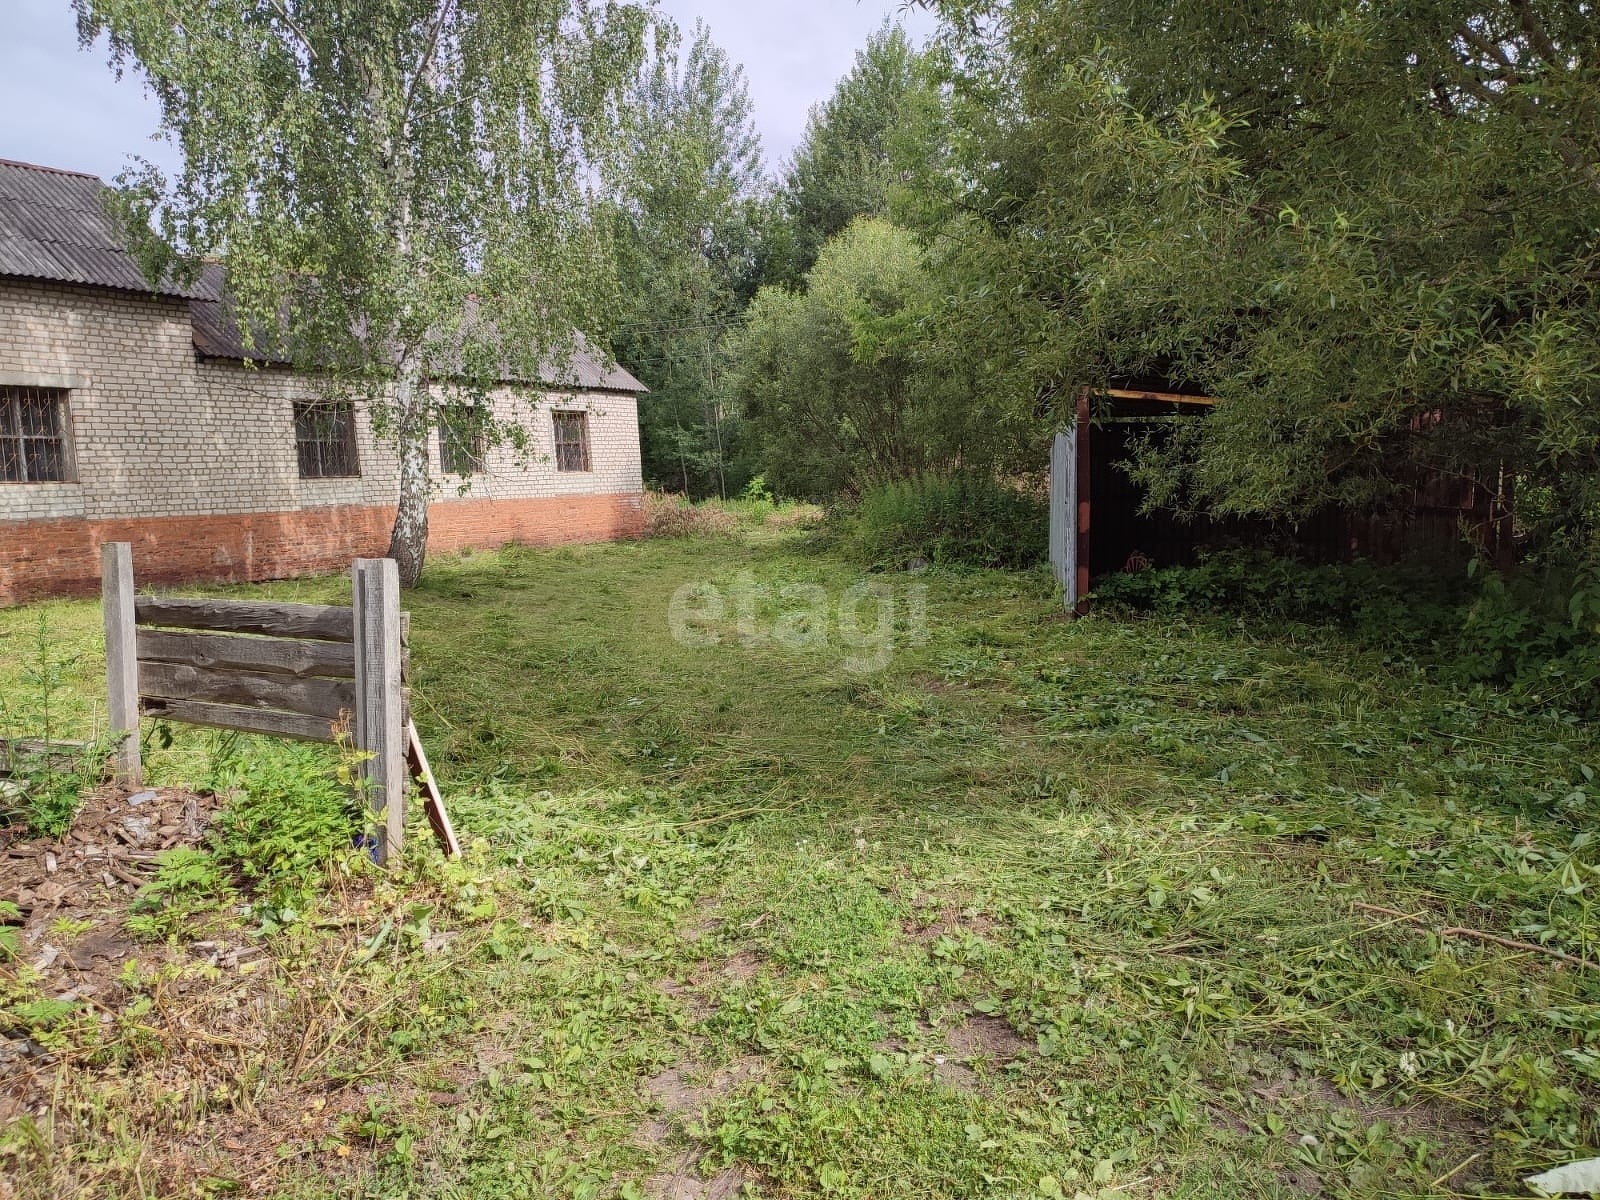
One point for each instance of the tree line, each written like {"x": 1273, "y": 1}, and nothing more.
{"x": 1369, "y": 231}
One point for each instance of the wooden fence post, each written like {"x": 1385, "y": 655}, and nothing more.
{"x": 380, "y": 730}
{"x": 122, "y": 658}
{"x": 1064, "y": 513}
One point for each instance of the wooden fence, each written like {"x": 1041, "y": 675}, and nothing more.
{"x": 301, "y": 671}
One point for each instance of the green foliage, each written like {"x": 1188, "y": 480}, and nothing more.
{"x": 47, "y": 784}
{"x": 842, "y": 385}
{"x": 288, "y": 818}
{"x": 843, "y": 168}
{"x": 450, "y": 242}
{"x": 188, "y": 884}
{"x": 1399, "y": 607}
{"x": 955, "y": 518}
{"x": 289, "y": 815}
{"x": 1340, "y": 220}
{"x": 10, "y": 942}
{"x": 1536, "y": 632}
{"x": 689, "y": 227}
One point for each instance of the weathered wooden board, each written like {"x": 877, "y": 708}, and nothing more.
{"x": 325, "y": 698}
{"x": 299, "y": 657}
{"x": 422, "y": 773}
{"x": 321, "y": 622}
{"x": 249, "y": 720}
{"x": 380, "y": 707}
{"x": 1064, "y": 514}
{"x": 117, "y": 603}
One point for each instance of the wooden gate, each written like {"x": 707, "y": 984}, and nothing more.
{"x": 301, "y": 671}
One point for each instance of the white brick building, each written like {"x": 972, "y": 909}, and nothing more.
{"x": 129, "y": 415}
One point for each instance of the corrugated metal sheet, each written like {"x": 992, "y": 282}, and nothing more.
{"x": 217, "y": 335}
{"x": 587, "y": 371}
{"x": 54, "y": 226}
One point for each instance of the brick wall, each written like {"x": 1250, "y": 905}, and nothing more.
{"x": 165, "y": 444}
{"x": 61, "y": 557}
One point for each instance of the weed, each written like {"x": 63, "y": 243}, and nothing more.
{"x": 953, "y": 519}
{"x": 10, "y": 942}
{"x": 1047, "y": 908}
{"x": 188, "y": 884}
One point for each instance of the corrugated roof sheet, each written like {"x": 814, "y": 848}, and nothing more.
{"x": 217, "y": 335}
{"x": 54, "y": 226}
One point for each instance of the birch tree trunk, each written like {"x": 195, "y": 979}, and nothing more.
{"x": 408, "y": 542}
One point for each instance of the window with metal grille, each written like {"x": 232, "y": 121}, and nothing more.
{"x": 572, "y": 441}
{"x": 460, "y": 441}
{"x": 325, "y": 439}
{"x": 33, "y": 438}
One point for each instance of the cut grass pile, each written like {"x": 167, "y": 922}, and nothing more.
{"x": 1041, "y": 908}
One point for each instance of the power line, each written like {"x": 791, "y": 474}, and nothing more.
{"x": 638, "y": 330}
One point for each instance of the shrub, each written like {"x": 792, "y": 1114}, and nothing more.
{"x": 1394, "y": 606}
{"x": 1539, "y": 632}
{"x": 1536, "y": 631}
{"x": 951, "y": 518}
{"x": 675, "y": 516}
{"x": 288, "y": 817}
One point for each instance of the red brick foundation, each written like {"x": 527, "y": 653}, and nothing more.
{"x": 39, "y": 559}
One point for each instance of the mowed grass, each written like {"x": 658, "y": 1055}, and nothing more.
{"x": 1038, "y": 908}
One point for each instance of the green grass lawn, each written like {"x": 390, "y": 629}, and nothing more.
{"x": 1038, "y": 908}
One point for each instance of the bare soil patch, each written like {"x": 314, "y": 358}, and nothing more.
{"x": 681, "y": 1092}
{"x": 682, "y": 1180}
{"x": 107, "y": 853}
{"x": 985, "y": 1037}
{"x": 934, "y": 919}
{"x": 73, "y": 891}
{"x": 687, "y": 1088}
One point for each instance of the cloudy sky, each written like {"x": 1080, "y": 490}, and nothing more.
{"x": 61, "y": 107}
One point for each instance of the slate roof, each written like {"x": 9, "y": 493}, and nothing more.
{"x": 54, "y": 226}
{"x": 217, "y": 335}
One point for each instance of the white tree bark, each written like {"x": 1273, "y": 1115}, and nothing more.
{"x": 408, "y": 542}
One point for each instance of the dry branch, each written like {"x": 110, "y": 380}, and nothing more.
{"x": 1480, "y": 935}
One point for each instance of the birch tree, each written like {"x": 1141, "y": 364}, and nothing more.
{"x": 401, "y": 191}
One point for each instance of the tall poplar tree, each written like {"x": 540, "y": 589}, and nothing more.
{"x": 844, "y": 165}
{"x": 401, "y": 191}
{"x": 688, "y": 227}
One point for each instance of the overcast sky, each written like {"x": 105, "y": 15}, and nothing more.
{"x": 60, "y": 106}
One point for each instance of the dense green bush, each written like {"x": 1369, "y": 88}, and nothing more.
{"x": 1397, "y": 606}
{"x": 289, "y": 814}
{"x": 948, "y": 518}
{"x": 1536, "y": 631}
{"x": 1539, "y": 632}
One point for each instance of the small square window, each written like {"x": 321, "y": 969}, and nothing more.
{"x": 572, "y": 441}
{"x": 33, "y": 437}
{"x": 325, "y": 439}
{"x": 460, "y": 441}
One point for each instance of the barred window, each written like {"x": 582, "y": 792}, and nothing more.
{"x": 572, "y": 441}
{"x": 325, "y": 439}
{"x": 460, "y": 441}
{"x": 33, "y": 437}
